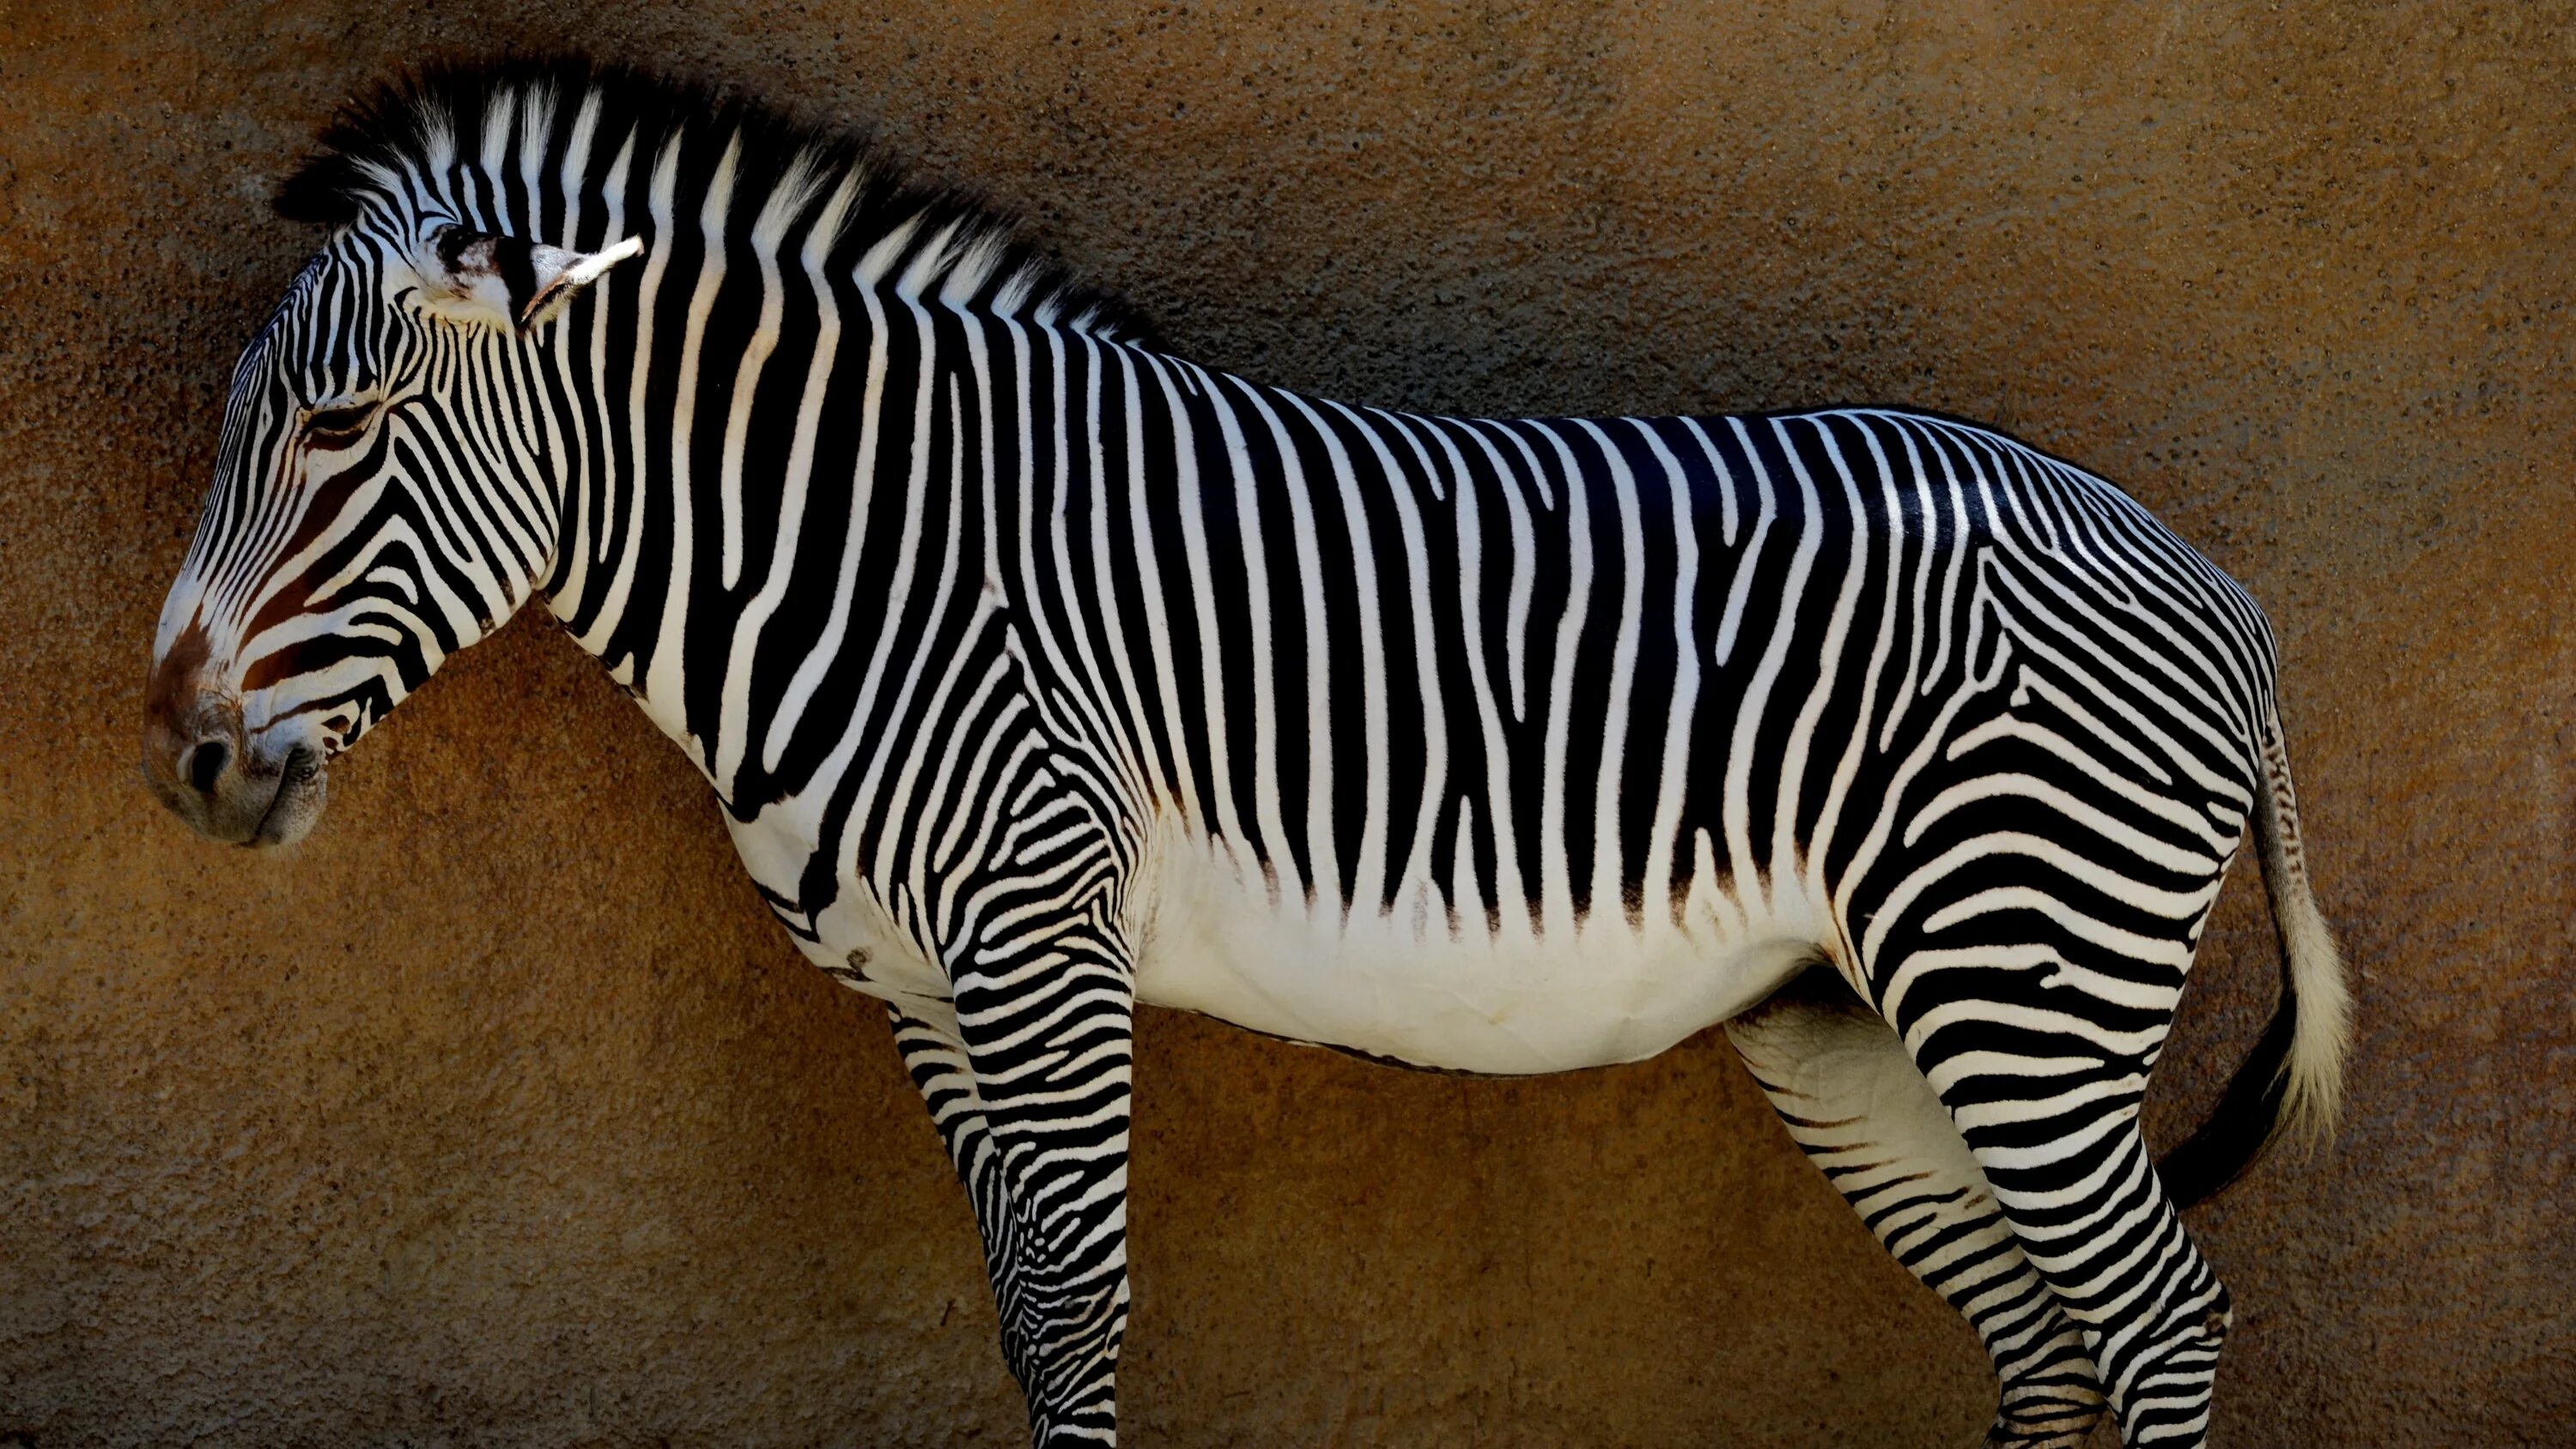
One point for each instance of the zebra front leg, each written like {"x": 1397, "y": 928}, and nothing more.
{"x": 936, "y": 1061}
{"x": 1853, "y": 1101}
{"x": 1049, "y": 1195}
{"x": 1034, "y": 1098}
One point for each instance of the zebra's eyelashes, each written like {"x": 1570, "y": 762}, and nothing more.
{"x": 339, "y": 425}
{"x": 509, "y": 281}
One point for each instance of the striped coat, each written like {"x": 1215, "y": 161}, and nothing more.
{"x": 1039, "y": 672}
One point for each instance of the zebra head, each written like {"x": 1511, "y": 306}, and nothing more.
{"x": 384, "y": 496}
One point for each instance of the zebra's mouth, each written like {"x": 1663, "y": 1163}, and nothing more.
{"x": 301, "y": 787}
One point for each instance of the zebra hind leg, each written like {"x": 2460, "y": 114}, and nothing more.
{"x": 2041, "y": 1058}
{"x": 2052, "y": 1120}
{"x": 1854, "y": 1103}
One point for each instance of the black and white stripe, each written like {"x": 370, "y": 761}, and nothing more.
{"x": 1026, "y": 660}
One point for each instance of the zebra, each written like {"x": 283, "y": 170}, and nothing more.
{"x": 1038, "y": 672}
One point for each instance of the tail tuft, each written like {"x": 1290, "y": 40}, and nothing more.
{"x": 2291, "y": 1085}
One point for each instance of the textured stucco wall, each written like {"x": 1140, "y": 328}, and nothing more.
{"x": 499, "y": 1113}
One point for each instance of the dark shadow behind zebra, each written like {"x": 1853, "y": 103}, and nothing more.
{"x": 1038, "y": 672}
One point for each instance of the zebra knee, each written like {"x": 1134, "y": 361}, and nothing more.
{"x": 2162, "y": 1394}
{"x": 2051, "y": 1404}
{"x": 2049, "y": 1393}
{"x": 1061, "y": 1337}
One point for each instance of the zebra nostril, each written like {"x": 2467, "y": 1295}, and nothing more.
{"x": 206, "y": 765}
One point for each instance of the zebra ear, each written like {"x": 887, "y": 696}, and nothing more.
{"x": 511, "y": 281}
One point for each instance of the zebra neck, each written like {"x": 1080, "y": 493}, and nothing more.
{"x": 761, "y": 567}
{"x": 850, "y": 513}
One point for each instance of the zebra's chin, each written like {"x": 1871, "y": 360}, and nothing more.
{"x": 303, "y": 784}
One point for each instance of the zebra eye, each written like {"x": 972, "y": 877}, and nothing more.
{"x": 338, "y": 427}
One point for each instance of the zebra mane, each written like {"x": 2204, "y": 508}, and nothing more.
{"x": 919, "y": 240}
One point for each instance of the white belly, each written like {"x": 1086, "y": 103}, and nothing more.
{"x": 1408, "y": 987}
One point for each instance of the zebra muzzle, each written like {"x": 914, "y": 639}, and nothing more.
{"x": 206, "y": 772}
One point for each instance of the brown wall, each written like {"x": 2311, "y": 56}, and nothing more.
{"x": 499, "y": 1112}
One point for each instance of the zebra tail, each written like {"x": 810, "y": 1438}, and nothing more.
{"x": 2291, "y": 1086}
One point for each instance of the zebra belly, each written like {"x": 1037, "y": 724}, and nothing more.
{"x": 1409, "y": 986}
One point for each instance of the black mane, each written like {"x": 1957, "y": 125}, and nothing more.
{"x": 391, "y": 122}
